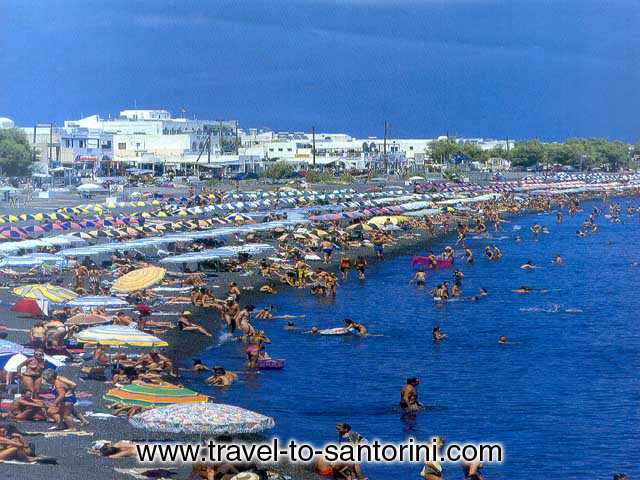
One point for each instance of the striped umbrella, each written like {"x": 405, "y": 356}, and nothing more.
{"x": 52, "y": 293}
{"x": 202, "y": 418}
{"x": 139, "y": 279}
{"x": 87, "y": 319}
{"x": 117, "y": 335}
{"x": 98, "y": 301}
{"x": 153, "y": 395}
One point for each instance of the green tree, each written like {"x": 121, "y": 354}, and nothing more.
{"x": 528, "y": 153}
{"x": 16, "y": 155}
{"x": 279, "y": 170}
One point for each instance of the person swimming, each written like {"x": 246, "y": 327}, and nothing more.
{"x": 502, "y": 340}
{"x": 528, "y": 265}
{"x": 523, "y": 289}
{"x": 483, "y": 293}
{"x": 437, "y": 334}
{"x": 557, "y": 260}
{"x": 358, "y": 327}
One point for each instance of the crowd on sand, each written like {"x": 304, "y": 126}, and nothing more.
{"x": 317, "y": 259}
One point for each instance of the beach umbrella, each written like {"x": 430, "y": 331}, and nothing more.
{"x": 87, "y": 319}
{"x": 98, "y": 301}
{"x": 153, "y": 395}
{"x": 52, "y": 293}
{"x": 28, "y": 306}
{"x": 10, "y": 348}
{"x": 14, "y": 233}
{"x": 117, "y": 335}
{"x": 139, "y": 279}
{"x": 393, "y": 219}
{"x": 10, "y": 363}
{"x": 202, "y": 418}
{"x": 89, "y": 187}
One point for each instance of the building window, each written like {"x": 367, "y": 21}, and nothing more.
{"x": 122, "y": 146}
{"x": 289, "y": 150}
{"x": 411, "y": 147}
{"x": 67, "y": 143}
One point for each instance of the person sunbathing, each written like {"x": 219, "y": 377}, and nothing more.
{"x": 28, "y": 408}
{"x": 13, "y": 446}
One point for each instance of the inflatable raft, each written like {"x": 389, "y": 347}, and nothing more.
{"x": 271, "y": 364}
{"x": 336, "y": 331}
{"x": 425, "y": 262}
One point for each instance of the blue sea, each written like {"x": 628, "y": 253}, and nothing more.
{"x": 563, "y": 398}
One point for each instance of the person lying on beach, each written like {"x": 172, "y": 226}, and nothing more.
{"x": 186, "y": 325}
{"x": 221, "y": 378}
{"x": 28, "y": 408}
{"x": 154, "y": 360}
{"x": 122, "y": 318}
{"x": 13, "y": 446}
{"x": 120, "y": 449}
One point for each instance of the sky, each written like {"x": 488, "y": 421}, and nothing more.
{"x": 548, "y": 69}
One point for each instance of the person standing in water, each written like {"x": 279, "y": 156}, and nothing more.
{"x": 420, "y": 278}
{"x": 409, "y": 396}
{"x": 361, "y": 264}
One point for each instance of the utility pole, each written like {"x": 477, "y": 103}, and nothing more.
{"x": 50, "y": 142}
{"x": 209, "y": 147}
{"x": 220, "y": 137}
{"x": 384, "y": 146}
{"x": 313, "y": 146}
{"x": 34, "y": 143}
{"x": 237, "y": 140}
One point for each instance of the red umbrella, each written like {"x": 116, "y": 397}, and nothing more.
{"x": 75, "y": 226}
{"x": 57, "y": 226}
{"x": 28, "y": 306}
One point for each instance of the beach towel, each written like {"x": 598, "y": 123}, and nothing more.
{"x": 146, "y": 473}
{"x": 60, "y": 433}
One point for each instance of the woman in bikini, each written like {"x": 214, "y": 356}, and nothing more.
{"x": 31, "y": 377}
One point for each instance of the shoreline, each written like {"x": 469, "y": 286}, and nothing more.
{"x": 76, "y": 463}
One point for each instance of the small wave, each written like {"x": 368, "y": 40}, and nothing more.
{"x": 553, "y": 308}
{"x": 226, "y": 338}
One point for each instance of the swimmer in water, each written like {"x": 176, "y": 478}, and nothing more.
{"x": 455, "y": 291}
{"x": 437, "y": 334}
{"x": 483, "y": 293}
{"x": 497, "y": 253}
{"x": 198, "y": 367}
{"x": 409, "y": 396}
{"x": 290, "y": 325}
{"x": 420, "y": 278}
{"x": 314, "y": 330}
{"x": 488, "y": 252}
{"x": 528, "y": 266}
{"x": 358, "y": 327}
{"x": 518, "y": 239}
{"x": 523, "y": 289}
{"x": 502, "y": 340}
{"x": 468, "y": 255}
{"x": 557, "y": 260}
{"x": 580, "y": 234}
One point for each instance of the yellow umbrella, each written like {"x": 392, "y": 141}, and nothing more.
{"x": 50, "y": 292}
{"x": 38, "y": 216}
{"x": 138, "y": 279}
{"x": 393, "y": 219}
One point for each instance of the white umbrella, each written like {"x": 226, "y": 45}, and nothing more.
{"x": 13, "y": 362}
{"x": 98, "y": 301}
{"x": 89, "y": 187}
{"x": 202, "y": 418}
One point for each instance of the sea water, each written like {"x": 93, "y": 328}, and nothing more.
{"x": 563, "y": 399}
